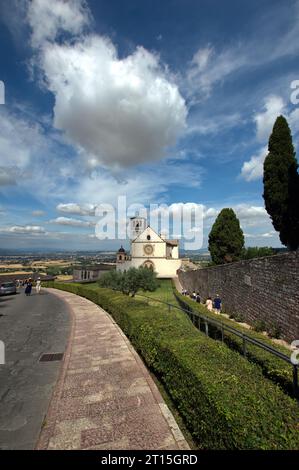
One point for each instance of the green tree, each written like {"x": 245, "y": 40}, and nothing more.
{"x": 226, "y": 239}
{"x": 257, "y": 252}
{"x": 281, "y": 184}
{"x": 112, "y": 280}
{"x": 130, "y": 281}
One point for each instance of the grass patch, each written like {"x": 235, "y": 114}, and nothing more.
{"x": 272, "y": 367}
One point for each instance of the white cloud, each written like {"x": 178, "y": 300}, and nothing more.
{"x": 249, "y": 215}
{"x": 25, "y": 229}
{"x": 16, "y": 138}
{"x": 209, "y": 67}
{"x": 269, "y": 234}
{"x": 119, "y": 112}
{"x": 47, "y": 19}
{"x": 273, "y": 107}
{"x": 77, "y": 209}
{"x": 245, "y": 211}
{"x": 253, "y": 169}
{"x": 72, "y": 222}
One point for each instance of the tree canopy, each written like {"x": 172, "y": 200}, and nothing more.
{"x": 281, "y": 184}
{"x": 226, "y": 239}
{"x": 130, "y": 281}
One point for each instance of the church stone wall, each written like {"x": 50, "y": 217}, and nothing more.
{"x": 138, "y": 249}
{"x": 166, "y": 268}
{"x": 260, "y": 289}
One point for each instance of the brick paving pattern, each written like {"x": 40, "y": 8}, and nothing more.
{"x": 105, "y": 398}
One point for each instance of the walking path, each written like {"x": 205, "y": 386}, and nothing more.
{"x": 105, "y": 398}
{"x": 177, "y": 284}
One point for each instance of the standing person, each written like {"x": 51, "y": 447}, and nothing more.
{"x": 209, "y": 304}
{"x": 38, "y": 285}
{"x": 217, "y": 304}
{"x": 197, "y": 298}
{"x": 28, "y": 287}
{"x": 194, "y": 295}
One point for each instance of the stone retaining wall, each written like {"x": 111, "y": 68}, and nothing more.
{"x": 260, "y": 289}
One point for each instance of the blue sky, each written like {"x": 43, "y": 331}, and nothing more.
{"x": 164, "y": 102}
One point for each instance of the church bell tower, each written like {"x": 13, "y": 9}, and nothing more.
{"x": 137, "y": 226}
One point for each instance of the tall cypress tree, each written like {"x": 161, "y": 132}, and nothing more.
{"x": 281, "y": 184}
{"x": 226, "y": 239}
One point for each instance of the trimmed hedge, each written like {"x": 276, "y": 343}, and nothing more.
{"x": 273, "y": 368}
{"x": 225, "y": 400}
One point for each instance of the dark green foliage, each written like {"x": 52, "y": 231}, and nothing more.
{"x": 112, "y": 280}
{"x": 130, "y": 281}
{"x": 274, "y": 331}
{"x": 281, "y": 184}
{"x": 259, "y": 325}
{"x": 226, "y": 239}
{"x": 257, "y": 252}
{"x": 273, "y": 368}
{"x": 224, "y": 399}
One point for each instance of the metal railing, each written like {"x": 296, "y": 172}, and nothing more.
{"x": 197, "y": 318}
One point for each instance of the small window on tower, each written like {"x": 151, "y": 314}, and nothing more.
{"x": 148, "y": 237}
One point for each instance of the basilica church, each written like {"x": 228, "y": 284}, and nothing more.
{"x": 150, "y": 250}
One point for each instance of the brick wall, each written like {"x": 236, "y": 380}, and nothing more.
{"x": 260, "y": 289}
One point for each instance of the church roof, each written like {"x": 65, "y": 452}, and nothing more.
{"x": 172, "y": 242}
{"x": 145, "y": 230}
{"x": 121, "y": 250}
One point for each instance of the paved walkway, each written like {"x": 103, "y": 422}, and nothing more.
{"x": 29, "y": 327}
{"x": 105, "y": 397}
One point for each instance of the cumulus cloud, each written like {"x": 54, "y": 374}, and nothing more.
{"x": 118, "y": 111}
{"x": 77, "y": 209}
{"x": 249, "y": 215}
{"x": 245, "y": 211}
{"x": 47, "y": 19}
{"x": 72, "y": 222}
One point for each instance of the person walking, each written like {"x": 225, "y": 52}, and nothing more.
{"x": 209, "y": 304}
{"x": 28, "y": 287}
{"x": 217, "y": 304}
{"x": 38, "y": 285}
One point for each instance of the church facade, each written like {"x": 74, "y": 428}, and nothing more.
{"x": 150, "y": 250}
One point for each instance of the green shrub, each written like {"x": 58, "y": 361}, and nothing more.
{"x": 273, "y": 368}
{"x": 274, "y": 331}
{"x": 130, "y": 281}
{"x": 238, "y": 317}
{"x": 259, "y": 325}
{"x": 225, "y": 400}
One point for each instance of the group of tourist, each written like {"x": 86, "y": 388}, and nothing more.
{"x": 28, "y": 284}
{"x": 215, "y": 304}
